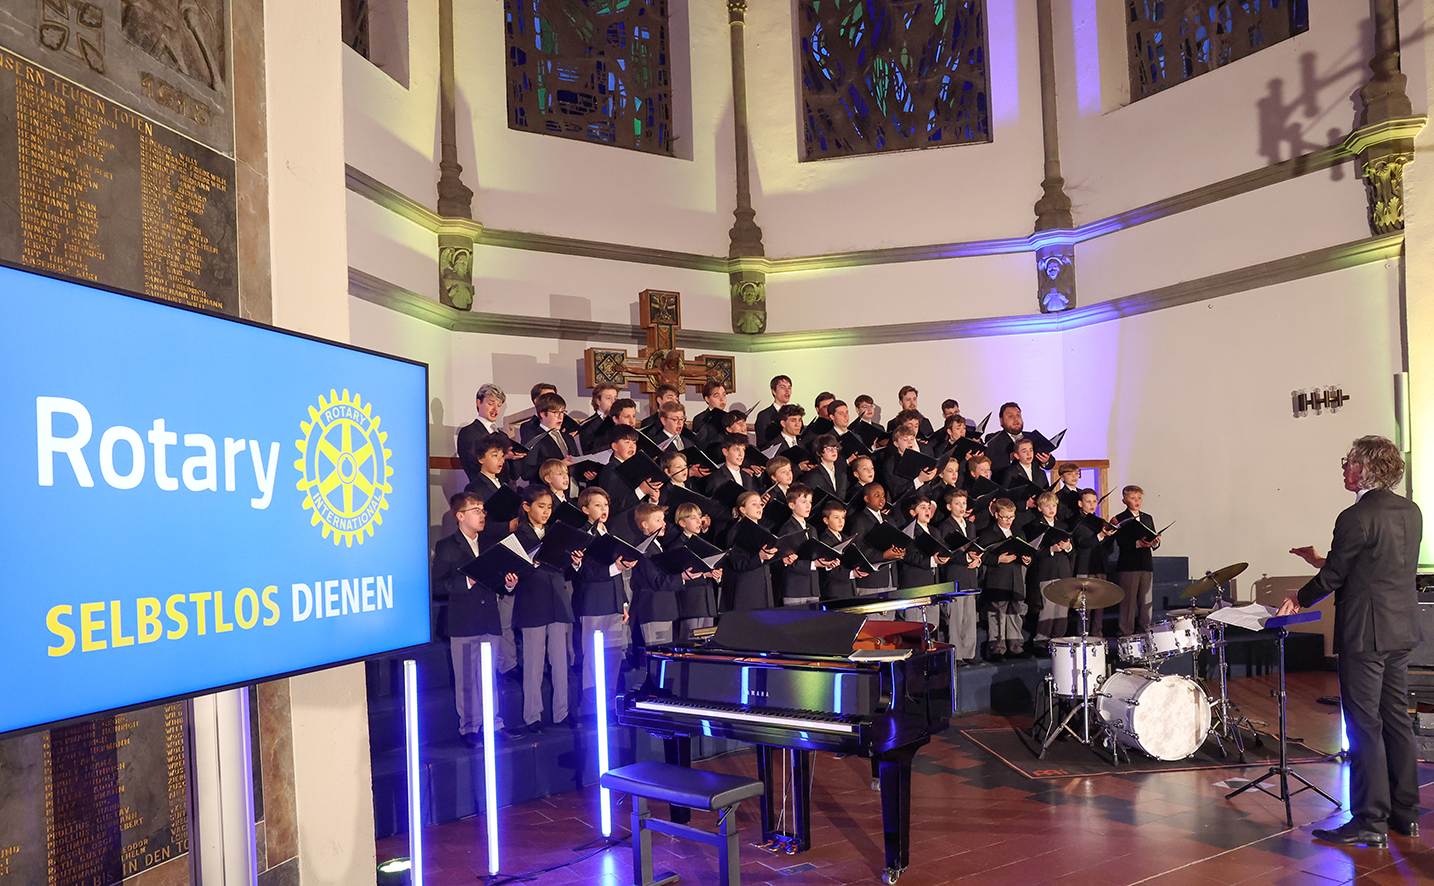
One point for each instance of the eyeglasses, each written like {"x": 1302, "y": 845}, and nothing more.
{"x": 470, "y": 510}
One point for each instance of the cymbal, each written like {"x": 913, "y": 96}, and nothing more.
{"x": 1213, "y": 580}
{"x": 1196, "y": 611}
{"x": 1095, "y": 592}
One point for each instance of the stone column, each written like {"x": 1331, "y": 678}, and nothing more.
{"x": 1055, "y": 263}
{"x": 1384, "y": 99}
{"x": 747, "y": 279}
{"x": 455, "y": 199}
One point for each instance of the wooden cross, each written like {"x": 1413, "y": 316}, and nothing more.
{"x": 661, "y": 361}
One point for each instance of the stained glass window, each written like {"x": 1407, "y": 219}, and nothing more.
{"x": 892, "y": 75}
{"x": 1170, "y": 41}
{"x": 596, "y": 70}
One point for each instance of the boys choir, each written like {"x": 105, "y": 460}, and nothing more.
{"x": 648, "y": 531}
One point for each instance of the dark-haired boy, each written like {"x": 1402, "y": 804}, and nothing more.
{"x": 543, "y": 613}
{"x": 473, "y": 617}
{"x": 604, "y": 395}
{"x": 550, "y": 441}
{"x": 665, "y": 394}
{"x": 830, "y": 474}
{"x": 837, "y": 582}
{"x": 800, "y": 582}
{"x": 622, "y": 496}
{"x": 767, "y": 420}
{"x": 708, "y": 424}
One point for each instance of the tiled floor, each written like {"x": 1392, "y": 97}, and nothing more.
{"x": 976, "y": 821}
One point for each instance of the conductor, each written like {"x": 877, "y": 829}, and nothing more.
{"x": 1370, "y": 570}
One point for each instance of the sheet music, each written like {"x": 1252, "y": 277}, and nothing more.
{"x": 512, "y": 544}
{"x": 1251, "y": 616}
{"x": 599, "y": 458}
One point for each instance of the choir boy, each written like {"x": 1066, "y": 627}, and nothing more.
{"x": 697, "y": 600}
{"x": 767, "y": 420}
{"x": 555, "y": 475}
{"x": 963, "y": 572}
{"x": 604, "y": 395}
{"x": 1068, "y": 490}
{"x": 863, "y": 424}
{"x": 1051, "y": 563}
{"x": 665, "y": 394}
{"x": 779, "y": 477}
{"x": 472, "y": 613}
{"x": 602, "y": 593}
{"x": 918, "y": 570}
{"x": 708, "y": 424}
{"x": 830, "y": 474}
{"x": 801, "y": 582}
{"x": 863, "y": 521}
{"x": 898, "y": 487}
{"x": 1135, "y": 564}
{"x": 550, "y": 441}
{"x": 623, "y": 497}
{"x": 837, "y": 582}
{"x": 1091, "y": 553}
{"x": 654, "y": 592}
{"x": 746, "y": 579}
{"x": 543, "y": 613}
{"x": 1003, "y": 590}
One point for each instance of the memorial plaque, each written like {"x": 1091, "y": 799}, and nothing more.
{"x": 95, "y": 191}
{"x": 94, "y": 803}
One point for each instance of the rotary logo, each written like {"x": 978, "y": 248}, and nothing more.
{"x": 344, "y": 467}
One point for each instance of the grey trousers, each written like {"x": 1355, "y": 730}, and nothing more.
{"x": 1053, "y": 618}
{"x": 507, "y": 652}
{"x": 1003, "y": 625}
{"x": 550, "y": 642}
{"x": 614, "y": 634}
{"x": 656, "y": 633}
{"x": 961, "y": 626}
{"x": 468, "y": 681}
{"x": 1138, "y": 588}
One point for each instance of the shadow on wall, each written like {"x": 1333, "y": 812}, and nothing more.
{"x": 1283, "y": 121}
{"x": 442, "y": 484}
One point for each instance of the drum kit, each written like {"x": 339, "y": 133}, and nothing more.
{"x": 1166, "y": 716}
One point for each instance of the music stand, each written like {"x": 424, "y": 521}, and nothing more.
{"x": 1281, "y": 624}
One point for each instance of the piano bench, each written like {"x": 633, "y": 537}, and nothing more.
{"x": 681, "y": 786}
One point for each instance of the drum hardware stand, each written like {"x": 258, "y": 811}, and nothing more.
{"x": 1227, "y": 716}
{"x": 1087, "y": 696}
{"x": 1283, "y": 770}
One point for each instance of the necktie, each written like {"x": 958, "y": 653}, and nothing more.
{"x": 558, "y": 438}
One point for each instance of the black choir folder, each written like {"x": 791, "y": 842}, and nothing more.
{"x": 695, "y": 554}
{"x": 504, "y": 505}
{"x": 912, "y": 462}
{"x": 1132, "y": 530}
{"x": 491, "y": 567}
{"x": 560, "y": 542}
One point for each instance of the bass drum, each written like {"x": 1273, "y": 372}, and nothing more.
{"x": 1166, "y": 716}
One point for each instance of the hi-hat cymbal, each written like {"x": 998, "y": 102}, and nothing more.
{"x": 1095, "y": 593}
{"x": 1213, "y": 580}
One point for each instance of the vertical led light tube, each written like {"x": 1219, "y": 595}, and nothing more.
{"x": 600, "y": 671}
{"x": 490, "y": 759}
{"x": 415, "y": 800}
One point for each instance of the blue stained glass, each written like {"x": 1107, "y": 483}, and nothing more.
{"x": 611, "y": 59}
{"x": 877, "y": 75}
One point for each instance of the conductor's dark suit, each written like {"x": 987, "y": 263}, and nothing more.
{"x": 1370, "y": 570}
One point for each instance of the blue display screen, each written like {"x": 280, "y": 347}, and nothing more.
{"x": 192, "y": 502}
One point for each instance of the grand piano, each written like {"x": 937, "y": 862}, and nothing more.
{"x": 797, "y": 680}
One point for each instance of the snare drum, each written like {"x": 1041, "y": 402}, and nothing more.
{"x": 1175, "y": 636}
{"x": 1166, "y": 716}
{"x": 1067, "y": 656}
{"x": 1136, "y": 647}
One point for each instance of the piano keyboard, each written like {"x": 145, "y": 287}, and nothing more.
{"x": 688, "y": 710}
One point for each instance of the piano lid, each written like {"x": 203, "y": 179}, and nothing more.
{"x": 788, "y": 631}
{"x": 894, "y": 601}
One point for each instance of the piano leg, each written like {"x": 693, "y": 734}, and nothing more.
{"x": 678, "y": 752}
{"x": 895, "y": 769}
{"x": 796, "y": 836}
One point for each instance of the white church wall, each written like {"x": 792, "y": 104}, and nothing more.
{"x": 1285, "y": 100}
{"x": 957, "y": 193}
{"x": 1193, "y": 404}
{"x": 1314, "y": 211}
{"x": 536, "y": 183}
{"x": 908, "y": 292}
{"x": 391, "y": 132}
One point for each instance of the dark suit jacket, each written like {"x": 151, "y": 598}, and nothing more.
{"x": 1046, "y": 566}
{"x": 1013, "y": 476}
{"x": 1370, "y": 570}
{"x": 468, "y": 436}
{"x": 1129, "y": 558}
{"x": 531, "y": 427}
{"x": 767, "y": 426}
{"x": 620, "y": 496}
{"x": 956, "y": 570}
{"x": 999, "y": 449}
{"x": 799, "y": 579}
{"x": 999, "y": 581}
{"x": 860, "y": 523}
{"x": 836, "y": 584}
{"x": 597, "y": 591}
{"x": 707, "y": 425}
{"x": 471, "y": 611}
{"x": 544, "y": 597}
{"x": 1090, "y": 552}
{"x": 540, "y": 449}
{"x": 746, "y": 581}
{"x": 916, "y": 570}
{"x": 817, "y": 478}
{"x": 654, "y": 592}
{"x": 696, "y": 598}
{"x": 493, "y": 530}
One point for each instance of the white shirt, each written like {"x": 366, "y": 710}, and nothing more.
{"x": 472, "y": 542}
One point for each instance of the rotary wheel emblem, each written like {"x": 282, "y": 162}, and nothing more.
{"x": 344, "y": 468}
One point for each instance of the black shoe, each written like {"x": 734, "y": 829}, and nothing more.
{"x": 535, "y": 727}
{"x": 995, "y": 657}
{"x": 513, "y": 675}
{"x": 1351, "y": 834}
{"x": 1405, "y": 827}
{"x": 973, "y": 661}
{"x": 512, "y": 734}
{"x": 473, "y": 739}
